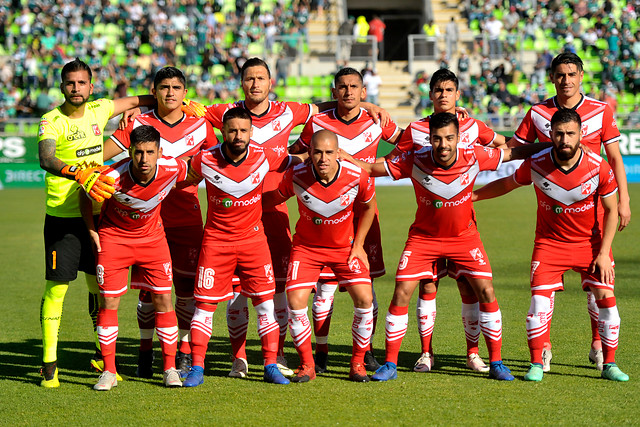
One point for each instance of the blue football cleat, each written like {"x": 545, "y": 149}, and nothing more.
{"x": 498, "y": 371}
{"x": 386, "y": 372}
{"x": 273, "y": 375}
{"x": 195, "y": 377}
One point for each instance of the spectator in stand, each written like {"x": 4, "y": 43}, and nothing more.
{"x": 493, "y": 30}
{"x": 451, "y": 36}
{"x": 376, "y": 29}
{"x": 372, "y": 82}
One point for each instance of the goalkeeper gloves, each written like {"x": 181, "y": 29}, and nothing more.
{"x": 98, "y": 186}
{"x": 193, "y": 108}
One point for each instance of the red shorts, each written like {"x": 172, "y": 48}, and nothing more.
{"x": 151, "y": 266}
{"x": 373, "y": 248}
{"x": 423, "y": 257}
{"x": 276, "y": 227}
{"x": 549, "y": 262}
{"x": 307, "y": 262}
{"x": 184, "y": 245}
{"x": 218, "y": 263}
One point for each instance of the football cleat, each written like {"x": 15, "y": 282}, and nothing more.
{"x": 596, "y": 357}
{"x": 535, "y": 373}
{"x": 50, "y": 373}
{"x": 611, "y": 372}
{"x": 386, "y": 372}
{"x": 321, "y": 362}
{"x": 106, "y": 381}
{"x": 145, "y": 364}
{"x": 171, "y": 378}
{"x": 239, "y": 368}
{"x": 304, "y": 374}
{"x": 283, "y": 366}
{"x": 273, "y": 375}
{"x": 358, "y": 373}
{"x": 97, "y": 363}
{"x": 546, "y": 359}
{"x": 195, "y": 377}
{"x": 498, "y": 371}
{"x": 424, "y": 363}
{"x": 370, "y": 362}
{"x": 475, "y": 362}
{"x": 183, "y": 364}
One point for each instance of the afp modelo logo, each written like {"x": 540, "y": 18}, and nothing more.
{"x": 317, "y": 221}
{"x": 438, "y": 204}
{"x": 557, "y": 209}
{"x": 227, "y": 202}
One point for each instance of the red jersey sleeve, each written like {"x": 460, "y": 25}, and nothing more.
{"x": 307, "y": 133}
{"x": 183, "y": 168}
{"x": 301, "y": 112}
{"x": 607, "y": 185}
{"x": 286, "y": 185}
{"x": 526, "y": 132}
{"x": 121, "y": 137}
{"x": 276, "y": 163}
{"x": 215, "y": 113}
{"x": 389, "y": 130}
{"x": 486, "y": 135}
{"x": 522, "y": 175}
{"x": 399, "y": 166}
{"x": 211, "y": 140}
{"x": 489, "y": 159}
{"x": 367, "y": 188}
{"x": 610, "y": 131}
{"x": 406, "y": 141}
{"x": 196, "y": 162}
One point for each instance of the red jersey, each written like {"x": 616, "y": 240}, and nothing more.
{"x": 444, "y": 194}
{"x": 326, "y": 210}
{"x": 472, "y": 131}
{"x": 181, "y": 139}
{"x": 234, "y": 190}
{"x": 271, "y": 130}
{"x": 568, "y": 200}
{"x": 359, "y": 136}
{"x": 132, "y": 211}
{"x": 598, "y": 124}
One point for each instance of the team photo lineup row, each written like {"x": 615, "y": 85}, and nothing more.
{"x": 246, "y": 251}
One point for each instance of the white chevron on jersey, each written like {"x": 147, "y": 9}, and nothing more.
{"x": 593, "y": 124}
{"x": 330, "y": 208}
{"x": 234, "y": 188}
{"x": 443, "y": 189}
{"x": 273, "y": 128}
{"x": 180, "y": 146}
{"x": 542, "y": 121}
{"x": 420, "y": 137}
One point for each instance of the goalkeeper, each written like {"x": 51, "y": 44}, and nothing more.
{"x": 70, "y": 143}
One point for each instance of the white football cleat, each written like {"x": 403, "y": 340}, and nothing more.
{"x": 424, "y": 363}
{"x": 239, "y": 368}
{"x": 283, "y": 367}
{"x": 171, "y": 378}
{"x": 596, "y": 357}
{"x": 106, "y": 381}
{"x": 475, "y": 362}
{"x": 546, "y": 359}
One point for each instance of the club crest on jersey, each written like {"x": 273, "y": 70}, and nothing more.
{"x": 268, "y": 273}
{"x": 162, "y": 196}
{"x": 275, "y": 125}
{"x": 585, "y": 188}
{"x": 190, "y": 140}
{"x": 167, "y": 269}
{"x": 478, "y": 256}
{"x": 585, "y": 128}
{"x": 96, "y": 129}
{"x": 354, "y": 266}
{"x": 255, "y": 178}
{"x": 43, "y": 123}
{"x": 367, "y": 137}
{"x": 344, "y": 200}
{"x": 464, "y": 138}
{"x": 464, "y": 179}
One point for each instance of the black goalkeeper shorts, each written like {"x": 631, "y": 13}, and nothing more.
{"x": 67, "y": 248}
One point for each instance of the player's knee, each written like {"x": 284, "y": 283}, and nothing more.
{"x": 162, "y": 302}
{"x": 297, "y": 299}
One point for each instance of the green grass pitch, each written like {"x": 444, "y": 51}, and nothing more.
{"x": 572, "y": 393}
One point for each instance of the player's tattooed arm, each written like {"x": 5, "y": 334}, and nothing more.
{"x": 86, "y": 209}
{"x": 495, "y": 188}
{"x": 602, "y": 262}
{"x": 367, "y": 214}
{"x": 48, "y": 159}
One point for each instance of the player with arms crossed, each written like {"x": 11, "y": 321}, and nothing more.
{"x": 328, "y": 193}
{"x": 181, "y": 136}
{"x": 445, "y": 228}
{"x": 70, "y": 145}
{"x": 130, "y": 234}
{"x": 234, "y": 240}
{"x": 359, "y": 135}
{"x": 444, "y": 94}
{"x": 272, "y": 123}
{"x": 570, "y": 234}
{"x": 598, "y": 129}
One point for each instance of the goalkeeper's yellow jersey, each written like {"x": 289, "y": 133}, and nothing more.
{"x": 79, "y": 142}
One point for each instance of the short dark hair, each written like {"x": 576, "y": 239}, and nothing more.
{"x": 441, "y": 120}
{"x": 566, "y": 58}
{"x": 347, "y": 71}
{"x": 566, "y": 115}
{"x": 443, "y": 75}
{"x": 236, "y": 113}
{"x": 145, "y": 133}
{"x": 169, "y": 73}
{"x": 254, "y": 62}
{"x": 75, "y": 65}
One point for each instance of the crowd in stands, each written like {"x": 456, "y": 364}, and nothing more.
{"x": 126, "y": 41}
{"x": 605, "y": 34}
